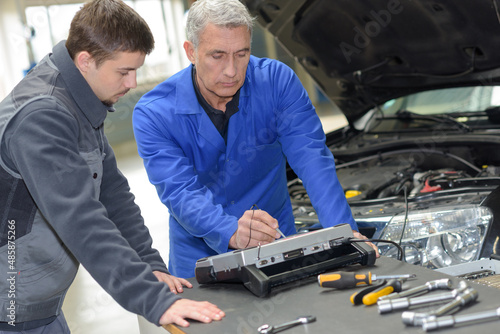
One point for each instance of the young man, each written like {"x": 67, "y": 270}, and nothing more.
{"x": 63, "y": 200}
{"x": 215, "y": 139}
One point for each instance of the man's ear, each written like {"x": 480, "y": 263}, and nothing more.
{"x": 190, "y": 52}
{"x": 83, "y": 61}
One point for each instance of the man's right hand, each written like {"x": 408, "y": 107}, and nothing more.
{"x": 185, "y": 308}
{"x": 254, "y": 227}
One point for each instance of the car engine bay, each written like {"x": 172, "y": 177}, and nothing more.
{"x": 401, "y": 181}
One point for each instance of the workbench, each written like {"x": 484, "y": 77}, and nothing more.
{"x": 332, "y": 308}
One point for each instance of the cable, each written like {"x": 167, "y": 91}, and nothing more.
{"x": 401, "y": 252}
{"x": 400, "y": 249}
{"x": 251, "y": 219}
{"x": 250, "y": 234}
{"x": 404, "y": 224}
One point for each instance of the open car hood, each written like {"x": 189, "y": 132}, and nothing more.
{"x": 365, "y": 52}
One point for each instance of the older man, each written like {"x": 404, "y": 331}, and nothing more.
{"x": 215, "y": 139}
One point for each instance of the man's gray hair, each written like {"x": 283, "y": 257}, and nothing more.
{"x": 222, "y": 13}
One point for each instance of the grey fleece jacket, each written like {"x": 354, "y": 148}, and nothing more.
{"x": 64, "y": 198}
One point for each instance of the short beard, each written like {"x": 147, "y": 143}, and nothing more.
{"x": 107, "y": 103}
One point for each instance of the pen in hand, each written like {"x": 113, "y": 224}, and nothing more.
{"x": 279, "y": 231}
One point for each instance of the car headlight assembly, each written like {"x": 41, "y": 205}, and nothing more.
{"x": 438, "y": 237}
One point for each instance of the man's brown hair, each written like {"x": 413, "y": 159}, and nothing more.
{"x": 104, "y": 27}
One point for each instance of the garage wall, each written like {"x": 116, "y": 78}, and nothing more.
{"x": 13, "y": 51}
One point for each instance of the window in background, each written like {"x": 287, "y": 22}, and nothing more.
{"x": 165, "y": 18}
{"x": 50, "y": 24}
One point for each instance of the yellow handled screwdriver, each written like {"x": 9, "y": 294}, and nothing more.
{"x": 370, "y": 295}
{"x": 346, "y": 280}
{"x": 394, "y": 285}
{"x": 357, "y": 297}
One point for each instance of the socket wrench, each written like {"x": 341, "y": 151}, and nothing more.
{"x": 441, "y": 284}
{"x": 416, "y": 319}
{"x": 466, "y": 319}
{"x": 385, "y": 306}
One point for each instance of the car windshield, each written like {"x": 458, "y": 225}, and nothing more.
{"x": 462, "y": 109}
{"x": 442, "y": 101}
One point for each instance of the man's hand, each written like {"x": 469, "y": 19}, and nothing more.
{"x": 254, "y": 227}
{"x": 184, "y": 308}
{"x": 358, "y": 235}
{"x": 174, "y": 283}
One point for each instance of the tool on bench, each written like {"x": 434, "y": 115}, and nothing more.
{"x": 444, "y": 283}
{"x": 385, "y": 306}
{"x": 345, "y": 280}
{"x": 466, "y": 319}
{"x": 463, "y": 299}
{"x": 369, "y": 296}
{"x": 357, "y": 297}
{"x": 268, "y": 329}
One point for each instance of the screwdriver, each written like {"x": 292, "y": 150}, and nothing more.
{"x": 345, "y": 280}
{"x": 394, "y": 285}
{"x": 357, "y": 297}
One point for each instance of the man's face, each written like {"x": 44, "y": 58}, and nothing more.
{"x": 221, "y": 61}
{"x": 114, "y": 77}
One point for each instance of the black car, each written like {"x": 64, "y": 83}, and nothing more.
{"x": 419, "y": 84}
